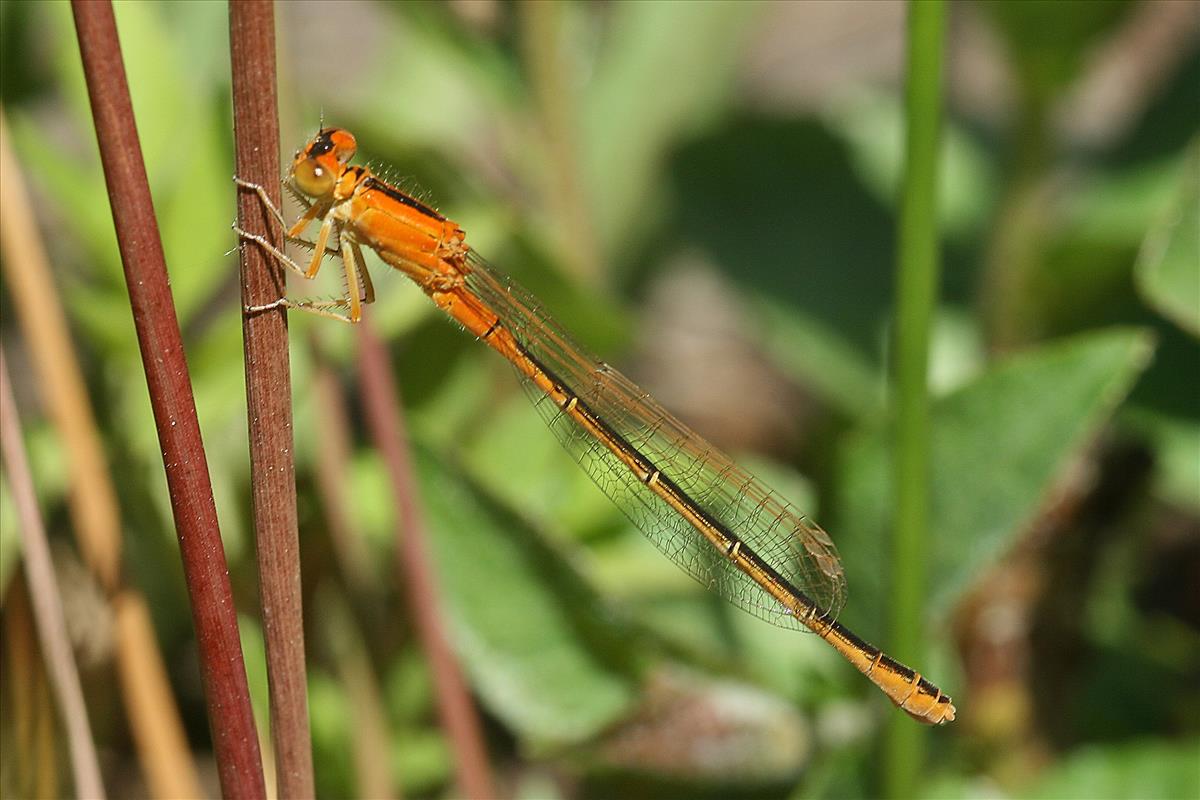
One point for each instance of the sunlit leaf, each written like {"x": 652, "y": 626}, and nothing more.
{"x": 629, "y": 118}
{"x": 528, "y": 629}
{"x": 1168, "y": 270}
{"x": 998, "y": 446}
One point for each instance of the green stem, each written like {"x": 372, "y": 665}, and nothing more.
{"x": 917, "y": 266}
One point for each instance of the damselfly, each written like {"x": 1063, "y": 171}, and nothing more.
{"x": 713, "y": 519}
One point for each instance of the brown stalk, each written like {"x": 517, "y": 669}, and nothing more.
{"x": 92, "y": 500}
{"x": 45, "y": 598}
{"x": 269, "y": 396}
{"x": 222, "y": 669}
{"x": 385, "y": 417}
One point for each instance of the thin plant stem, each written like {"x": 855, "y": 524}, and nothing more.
{"x": 269, "y": 397}
{"x": 385, "y": 418}
{"x": 46, "y": 600}
{"x": 917, "y": 281}
{"x": 92, "y": 500}
{"x": 222, "y": 669}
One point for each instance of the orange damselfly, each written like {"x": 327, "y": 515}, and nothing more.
{"x": 716, "y": 521}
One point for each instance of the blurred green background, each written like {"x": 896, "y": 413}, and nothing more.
{"x": 704, "y": 193}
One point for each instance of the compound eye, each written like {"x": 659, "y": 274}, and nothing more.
{"x": 312, "y": 178}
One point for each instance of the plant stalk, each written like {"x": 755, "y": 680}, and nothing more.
{"x": 918, "y": 273}
{"x": 269, "y": 396}
{"x": 222, "y": 669}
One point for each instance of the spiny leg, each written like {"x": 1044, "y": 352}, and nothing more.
{"x": 353, "y": 289}
{"x": 330, "y": 250}
{"x": 358, "y": 291}
{"x": 273, "y": 251}
{"x": 363, "y": 274}
{"x": 311, "y": 210}
{"x": 324, "y": 308}
{"x": 293, "y": 232}
{"x": 319, "y": 248}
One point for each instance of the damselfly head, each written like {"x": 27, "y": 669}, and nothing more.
{"x": 317, "y": 167}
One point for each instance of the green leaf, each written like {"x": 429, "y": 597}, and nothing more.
{"x": 421, "y": 761}
{"x": 998, "y": 446}
{"x": 813, "y": 351}
{"x": 628, "y": 123}
{"x": 519, "y": 460}
{"x": 1050, "y": 42}
{"x": 822, "y": 256}
{"x": 1112, "y": 209}
{"x": 194, "y": 225}
{"x": 469, "y": 78}
{"x": 872, "y": 125}
{"x": 409, "y": 689}
{"x": 525, "y": 624}
{"x": 1175, "y": 440}
{"x": 1155, "y": 769}
{"x": 331, "y": 717}
{"x": 161, "y": 89}
{"x": 1168, "y": 269}
{"x": 187, "y": 160}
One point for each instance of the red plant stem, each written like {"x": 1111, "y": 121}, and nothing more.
{"x": 384, "y": 411}
{"x": 235, "y": 741}
{"x": 46, "y": 600}
{"x": 269, "y": 396}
